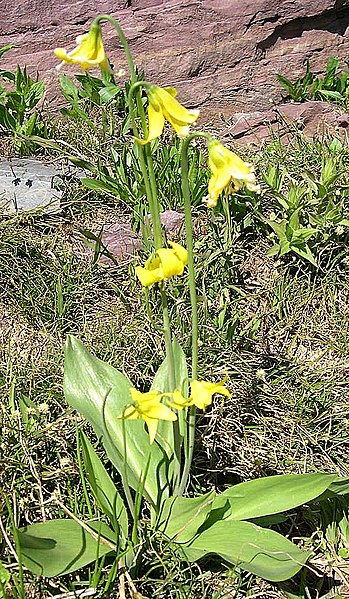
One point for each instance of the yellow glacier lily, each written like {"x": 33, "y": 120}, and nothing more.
{"x": 227, "y": 170}
{"x": 89, "y": 51}
{"x": 149, "y": 408}
{"x": 166, "y": 263}
{"x": 164, "y": 106}
{"x": 201, "y": 393}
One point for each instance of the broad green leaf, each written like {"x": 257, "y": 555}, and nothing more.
{"x": 279, "y": 228}
{"x": 6, "y": 119}
{"x": 103, "y": 488}
{"x": 57, "y": 547}
{"x": 264, "y": 552}
{"x": 181, "y": 517}
{"x": 68, "y": 88}
{"x": 100, "y": 393}
{"x": 305, "y": 253}
{"x": 271, "y": 495}
{"x": 6, "y": 48}
{"x": 330, "y": 94}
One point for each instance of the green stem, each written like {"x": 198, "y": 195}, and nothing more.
{"x": 145, "y": 162}
{"x": 135, "y": 86}
{"x": 123, "y": 40}
{"x": 156, "y": 215}
{"x": 189, "y": 447}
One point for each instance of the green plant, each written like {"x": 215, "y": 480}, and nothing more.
{"x": 333, "y": 86}
{"x": 154, "y": 463}
{"x": 18, "y": 113}
{"x": 309, "y": 214}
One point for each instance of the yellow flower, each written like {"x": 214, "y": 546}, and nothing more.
{"x": 178, "y": 401}
{"x": 89, "y": 51}
{"x": 166, "y": 263}
{"x": 164, "y": 106}
{"x": 227, "y": 168}
{"x": 148, "y": 406}
{"x": 201, "y": 393}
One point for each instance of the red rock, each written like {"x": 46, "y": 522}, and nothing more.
{"x": 222, "y": 54}
{"x": 310, "y": 117}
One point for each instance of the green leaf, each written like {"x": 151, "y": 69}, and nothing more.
{"x": 330, "y": 94}
{"x": 68, "y": 88}
{"x": 272, "y": 494}
{"x": 99, "y": 186}
{"x": 340, "y": 485}
{"x": 109, "y": 92}
{"x": 101, "y": 393}
{"x": 305, "y": 253}
{"x": 4, "y": 576}
{"x": 181, "y": 517}
{"x": 6, "y": 119}
{"x": 35, "y": 93}
{"x": 279, "y": 228}
{"x": 103, "y": 488}
{"x": 258, "y": 550}
{"x": 57, "y": 547}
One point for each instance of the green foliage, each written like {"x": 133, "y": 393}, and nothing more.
{"x": 108, "y": 394}
{"x": 18, "y": 112}
{"x": 103, "y": 489}
{"x": 261, "y": 551}
{"x": 309, "y": 213}
{"x": 58, "y": 547}
{"x": 93, "y": 92}
{"x": 333, "y": 86}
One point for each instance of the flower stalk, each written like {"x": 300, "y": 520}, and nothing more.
{"x": 189, "y": 446}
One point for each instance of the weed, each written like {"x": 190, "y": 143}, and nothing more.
{"x": 19, "y": 115}
{"x": 332, "y": 87}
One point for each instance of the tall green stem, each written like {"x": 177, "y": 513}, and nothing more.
{"x": 123, "y": 40}
{"x": 147, "y": 169}
{"x": 189, "y": 448}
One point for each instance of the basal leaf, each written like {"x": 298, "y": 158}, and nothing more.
{"x": 103, "y": 487}
{"x": 181, "y": 517}
{"x": 264, "y": 552}
{"x": 272, "y": 494}
{"x": 57, "y": 547}
{"x": 101, "y": 393}
{"x": 161, "y": 382}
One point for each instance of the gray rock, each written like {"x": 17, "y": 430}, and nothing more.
{"x": 28, "y": 184}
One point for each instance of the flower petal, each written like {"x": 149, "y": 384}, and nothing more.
{"x": 170, "y": 264}
{"x": 178, "y": 401}
{"x": 89, "y": 51}
{"x": 156, "y": 122}
{"x": 152, "y": 425}
{"x": 130, "y": 413}
{"x": 200, "y": 396}
{"x": 180, "y": 252}
{"x": 148, "y": 277}
{"x": 227, "y": 168}
{"x": 173, "y": 109}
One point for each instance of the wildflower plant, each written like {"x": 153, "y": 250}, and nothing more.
{"x": 149, "y": 436}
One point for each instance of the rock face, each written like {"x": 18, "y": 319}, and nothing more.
{"x": 221, "y": 54}
{"x": 312, "y": 118}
